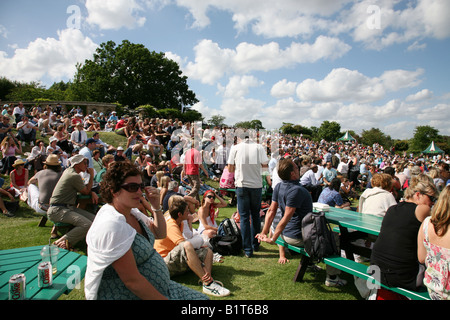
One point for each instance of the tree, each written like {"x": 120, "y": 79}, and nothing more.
{"x": 423, "y": 135}
{"x": 375, "y": 135}
{"x": 330, "y": 131}
{"x": 216, "y": 120}
{"x": 253, "y": 124}
{"x": 132, "y": 75}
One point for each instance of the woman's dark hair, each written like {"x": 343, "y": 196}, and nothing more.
{"x": 115, "y": 176}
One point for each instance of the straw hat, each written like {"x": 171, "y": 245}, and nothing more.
{"x": 52, "y": 160}
{"x": 18, "y": 162}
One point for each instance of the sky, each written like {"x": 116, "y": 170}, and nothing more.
{"x": 364, "y": 64}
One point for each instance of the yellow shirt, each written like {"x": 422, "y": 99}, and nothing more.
{"x": 174, "y": 237}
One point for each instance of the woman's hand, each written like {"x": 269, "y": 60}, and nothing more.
{"x": 152, "y": 195}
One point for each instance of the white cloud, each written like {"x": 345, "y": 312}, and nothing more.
{"x": 283, "y": 89}
{"x": 424, "y": 94}
{"x": 55, "y": 58}
{"x": 213, "y": 62}
{"x": 342, "y": 84}
{"x": 239, "y": 86}
{"x": 115, "y": 14}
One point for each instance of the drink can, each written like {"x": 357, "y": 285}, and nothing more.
{"x": 45, "y": 275}
{"x": 17, "y": 287}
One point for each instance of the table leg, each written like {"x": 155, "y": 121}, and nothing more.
{"x": 302, "y": 266}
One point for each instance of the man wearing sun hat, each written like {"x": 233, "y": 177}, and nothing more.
{"x": 42, "y": 184}
{"x": 64, "y": 200}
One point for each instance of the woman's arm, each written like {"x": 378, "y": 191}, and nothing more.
{"x": 131, "y": 277}
{"x": 421, "y": 250}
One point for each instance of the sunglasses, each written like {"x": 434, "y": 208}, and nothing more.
{"x": 432, "y": 199}
{"x": 133, "y": 187}
{"x": 210, "y": 197}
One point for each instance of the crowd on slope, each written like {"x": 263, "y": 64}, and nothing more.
{"x": 335, "y": 173}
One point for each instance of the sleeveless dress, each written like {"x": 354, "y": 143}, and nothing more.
{"x": 437, "y": 274}
{"x": 152, "y": 266}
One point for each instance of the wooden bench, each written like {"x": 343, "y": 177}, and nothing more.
{"x": 349, "y": 266}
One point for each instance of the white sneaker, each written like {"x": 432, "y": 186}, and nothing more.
{"x": 215, "y": 288}
{"x": 23, "y": 143}
{"x": 337, "y": 282}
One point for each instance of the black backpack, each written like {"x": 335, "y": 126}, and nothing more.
{"x": 318, "y": 237}
{"x": 228, "y": 240}
{"x": 226, "y": 245}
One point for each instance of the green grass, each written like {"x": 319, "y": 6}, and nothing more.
{"x": 257, "y": 278}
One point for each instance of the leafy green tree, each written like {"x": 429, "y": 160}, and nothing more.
{"x": 132, "y": 75}
{"x": 253, "y": 124}
{"x": 216, "y": 120}
{"x": 423, "y": 135}
{"x": 375, "y": 135}
{"x": 329, "y": 130}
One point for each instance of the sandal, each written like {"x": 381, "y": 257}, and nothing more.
{"x": 8, "y": 214}
{"x": 217, "y": 258}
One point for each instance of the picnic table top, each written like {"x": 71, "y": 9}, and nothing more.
{"x": 355, "y": 220}
{"x": 71, "y": 270}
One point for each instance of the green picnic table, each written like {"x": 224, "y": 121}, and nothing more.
{"x": 71, "y": 270}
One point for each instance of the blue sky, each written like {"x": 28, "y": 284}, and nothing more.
{"x": 364, "y": 64}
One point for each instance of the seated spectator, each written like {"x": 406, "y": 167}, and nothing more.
{"x": 395, "y": 250}
{"x": 154, "y": 147}
{"x": 396, "y": 189}
{"x": 37, "y": 155}
{"x": 64, "y": 200}
{"x": 19, "y": 180}
{"x": 128, "y": 267}
{"x": 438, "y": 181}
{"x": 19, "y": 112}
{"x": 180, "y": 255}
{"x": 330, "y": 195}
{"x": 310, "y": 183}
{"x": 5, "y": 127}
{"x": 329, "y": 173}
{"x": 106, "y": 161}
{"x": 120, "y": 155}
{"x": 434, "y": 248}
{"x": 55, "y": 149}
{"x": 63, "y": 139}
{"x": 378, "y": 199}
{"x": 79, "y": 136}
{"x": 103, "y": 147}
{"x": 208, "y": 213}
{"x": 10, "y": 149}
{"x": 343, "y": 167}
{"x": 41, "y": 186}
{"x": 26, "y": 131}
{"x": 91, "y": 124}
{"x": 3, "y": 203}
{"x": 134, "y": 145}
{"x": 165, "y": 180}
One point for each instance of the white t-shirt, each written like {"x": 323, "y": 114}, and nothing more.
{"x": 247, "y": 157}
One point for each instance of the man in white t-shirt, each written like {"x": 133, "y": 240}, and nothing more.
{"x": 245, "y": 160}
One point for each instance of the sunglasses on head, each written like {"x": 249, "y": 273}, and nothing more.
{"x": 133, "y": 187}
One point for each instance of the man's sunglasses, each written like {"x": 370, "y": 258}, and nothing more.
{"x": 133, "y": 187}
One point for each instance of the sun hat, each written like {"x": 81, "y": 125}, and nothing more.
{"x": 76, "y": 160}
{"x": 52, "y": 160}
{"x": 18, "y": 162}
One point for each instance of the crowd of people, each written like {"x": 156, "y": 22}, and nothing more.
{"x": 135, "y": 204}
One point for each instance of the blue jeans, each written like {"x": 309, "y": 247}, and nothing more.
{"x": 249, "y": 207}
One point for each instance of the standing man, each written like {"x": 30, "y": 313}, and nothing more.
{"x": 245, "y": 160}
{"x": 191, "y": 167}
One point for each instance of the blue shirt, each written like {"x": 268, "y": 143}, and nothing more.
{"x": 330, "y": 197}
{"x": 292, "y": 194}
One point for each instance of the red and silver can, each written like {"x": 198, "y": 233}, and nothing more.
{"x": 45, "y": 275}
{"x": 17, "y": 287}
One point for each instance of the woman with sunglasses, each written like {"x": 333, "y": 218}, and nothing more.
{"x": 395, "y": 250}
{"x": 122, "y": 263}
{"x": 208, "y": 212}
{"x": 434, "y": 248}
